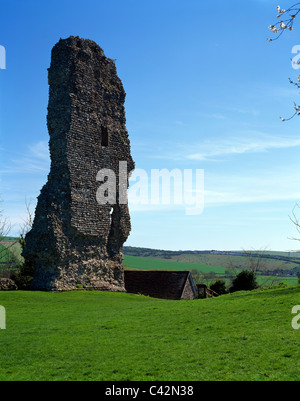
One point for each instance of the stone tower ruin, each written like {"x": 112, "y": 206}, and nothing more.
{"x": 75, "y": 241}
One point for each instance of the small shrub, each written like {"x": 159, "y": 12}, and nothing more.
{"x": 23, "y": 282}
{"x": 23, "y": 277}
{"x": 219, "y": 287}
{"x": 274, "y": 286}
{"x": 244, "y": 281}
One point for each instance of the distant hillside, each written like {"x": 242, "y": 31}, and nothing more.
{"x": 136, "y": 251}
{"x": 268, "y": 262}
{"x": 9, "y": 239}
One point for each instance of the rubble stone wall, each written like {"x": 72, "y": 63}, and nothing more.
{"x": 74, "y": 240}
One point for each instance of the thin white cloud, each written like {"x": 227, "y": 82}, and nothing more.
{"x": 260, "y": 187}
{"x": 40, "y": 150}
{"x": 35, "y": 160}
{"x": 253, "y": 143}
{"x": 215, "y": 116}
{"x": 215, "y": 197}
{"x": 241, "y": 110}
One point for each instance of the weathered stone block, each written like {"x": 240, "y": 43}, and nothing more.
{"x": 6, "y": 284}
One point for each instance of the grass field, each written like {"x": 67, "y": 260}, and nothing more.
{"x": 90, "y": 335}
{"x": 13, "y": 251}
{"x": 138, "y": 262}
{"x": 237, "y": 261}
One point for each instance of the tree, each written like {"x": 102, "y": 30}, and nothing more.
{"x": 24, "y": 276}
{"x": 7, "y": 257}
{"x": 296, "y": 221}
{"x": 285, "y": 22}
{"x": 219, "y": 287}
{"x": 27, "y": 223}
{"x": 5, "y": 227}
{"x": 256, "y": 260}
{"x": 5, "y": 246}
{"x": 245, "y": 280}
{"x": 197, "y": 276}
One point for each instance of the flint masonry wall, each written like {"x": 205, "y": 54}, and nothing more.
{"x": 74, "y": 240}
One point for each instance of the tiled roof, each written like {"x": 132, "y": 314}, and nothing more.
{"x": 157, "y": 283}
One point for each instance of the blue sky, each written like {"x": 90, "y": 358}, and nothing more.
{"x": 205, "y": 90}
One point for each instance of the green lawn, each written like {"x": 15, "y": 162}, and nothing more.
{"x": 93, "y": 335}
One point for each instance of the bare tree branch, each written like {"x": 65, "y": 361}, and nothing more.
{"x": 27, "y": 222}
{"x": 296, "y": 221}
{"x": 284, "y": 24}
{"x": 7, "y": 256}
{"x": 279, "y": 28}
